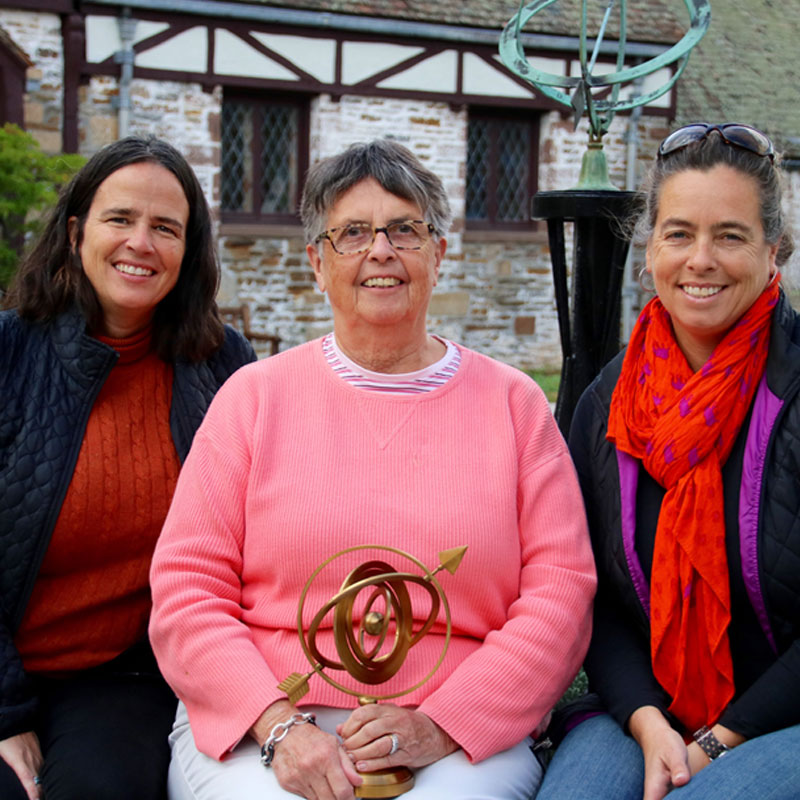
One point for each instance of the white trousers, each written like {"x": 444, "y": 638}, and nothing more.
{"x": 514, "y": 774}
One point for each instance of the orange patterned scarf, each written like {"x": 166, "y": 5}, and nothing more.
{"x": 681, "y": 425}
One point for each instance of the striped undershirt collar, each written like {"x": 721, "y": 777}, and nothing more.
{"x": 423, "y": 380}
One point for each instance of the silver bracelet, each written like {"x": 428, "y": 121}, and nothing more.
{"x": 278, "y": 733}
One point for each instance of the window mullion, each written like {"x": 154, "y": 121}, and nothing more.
{"x": 256, "y": 146}
{"x": 494, "y": 164}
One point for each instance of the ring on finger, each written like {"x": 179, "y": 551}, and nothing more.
{"x": 37, "y": 780}
{"x": 395, "y": 744}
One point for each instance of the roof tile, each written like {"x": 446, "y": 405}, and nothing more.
{"x": 648, "y": 20}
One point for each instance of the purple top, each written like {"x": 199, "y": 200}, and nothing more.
{"x": 766, "y": 407}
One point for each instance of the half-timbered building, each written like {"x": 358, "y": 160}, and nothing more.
{"x": 253, "y": 92}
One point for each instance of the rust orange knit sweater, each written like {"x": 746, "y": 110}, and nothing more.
{"x": 91, "y": 600}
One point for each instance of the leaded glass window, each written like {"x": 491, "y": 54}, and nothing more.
{"x": 501, "y": 170}
{"x": 263, "y": 159}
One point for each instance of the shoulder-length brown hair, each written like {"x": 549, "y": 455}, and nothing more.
{"x": 51, "y": 278}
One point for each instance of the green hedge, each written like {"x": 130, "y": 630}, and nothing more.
{"x": 29, "y": 184}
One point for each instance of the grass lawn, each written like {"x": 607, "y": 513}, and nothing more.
{"x": 548, "y": 381}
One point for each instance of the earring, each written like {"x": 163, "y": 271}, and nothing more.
{"x": 646, "y": 283}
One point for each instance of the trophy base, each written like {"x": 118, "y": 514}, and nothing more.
{"x": 390, "y": 782}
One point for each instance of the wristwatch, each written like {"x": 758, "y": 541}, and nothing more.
{"x": 709, "y": 743}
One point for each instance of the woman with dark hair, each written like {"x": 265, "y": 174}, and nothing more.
{"x": 687, "y": 451}
{"x": 395, "y": 437}
{"x": 110, "y": 352}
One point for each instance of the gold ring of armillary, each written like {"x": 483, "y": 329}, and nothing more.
{"x": 367, "y": 664}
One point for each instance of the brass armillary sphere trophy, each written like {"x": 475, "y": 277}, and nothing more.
{"x": 373, "y": 644}
{"x": 590, "y": 338}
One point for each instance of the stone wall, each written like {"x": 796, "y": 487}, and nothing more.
{"x": 791, "y": 271}
{"x": 39, "y": 35}
{"x": 181, "y": 113}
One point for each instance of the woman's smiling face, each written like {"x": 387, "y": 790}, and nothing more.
{"x": 708, "y": 255}
{"x": 133, "y": 243}
{"x": 383, "y": 285}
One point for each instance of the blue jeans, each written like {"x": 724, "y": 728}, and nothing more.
{"x": 597, "y": 759}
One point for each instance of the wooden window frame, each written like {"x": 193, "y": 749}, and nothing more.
{"x": 258, "y": 101}
{"x": 496, "y": 117}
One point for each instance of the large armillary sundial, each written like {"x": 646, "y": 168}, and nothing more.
{"x": 589, "y": 320}
{"x": 579, "y": 92}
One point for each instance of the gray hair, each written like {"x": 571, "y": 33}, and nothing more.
{"x": 393, "y": 166}
{"x": 703, "y": 155}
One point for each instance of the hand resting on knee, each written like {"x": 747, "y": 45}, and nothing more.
{"x": 23, "y": 754}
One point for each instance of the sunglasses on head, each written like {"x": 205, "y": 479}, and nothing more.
{"x": 732, "y": 133}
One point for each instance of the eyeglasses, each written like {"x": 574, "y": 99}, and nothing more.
{"x": 358, "y": 237}
{"x": 732, "y": 133}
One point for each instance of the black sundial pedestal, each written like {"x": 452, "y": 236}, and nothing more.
{"x": 590, "y": 329}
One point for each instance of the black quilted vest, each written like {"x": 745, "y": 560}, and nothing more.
{"x": 50, "y": 376}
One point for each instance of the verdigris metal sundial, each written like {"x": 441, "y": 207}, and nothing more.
{"x": 579, "y": 92}
{"x": 373, "y": 635}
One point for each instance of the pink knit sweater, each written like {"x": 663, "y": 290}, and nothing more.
{"x": 292, "y": 465}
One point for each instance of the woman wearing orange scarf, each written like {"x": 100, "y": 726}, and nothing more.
{"x": 688, "y": 450}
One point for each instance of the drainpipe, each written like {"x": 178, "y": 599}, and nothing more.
{"x": 124, "y": 57}
{"x": 630, "y": 287}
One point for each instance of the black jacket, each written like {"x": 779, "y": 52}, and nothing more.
{"x": 761, "y": 481}
{"x": 50, "y": 376}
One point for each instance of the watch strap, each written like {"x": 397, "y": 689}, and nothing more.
{"x": 709, "y": 743}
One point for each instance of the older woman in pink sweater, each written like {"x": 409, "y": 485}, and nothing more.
{"x": 379, "y": 433}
